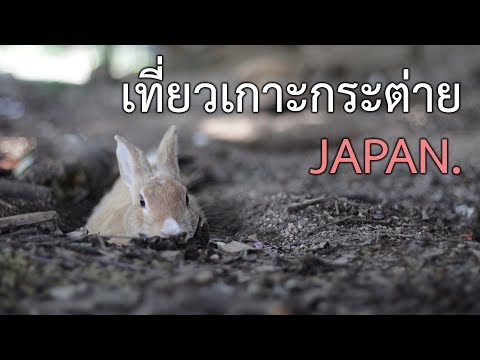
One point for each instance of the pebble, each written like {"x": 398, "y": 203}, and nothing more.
{"x": 170, "y": 255}
{"x": 253, "y": 238}
{"x": 233, "y": 247}
{"x": 250, "y": 257}
{"x": 66, "y": 292}
{"x": 243, "y": 277}
{"x": 215, "y": 257}
{"x": 253, "y": 289}
{"x": 324, "y": 245}
{"x": 291, "y": 284}
{"x": 203, "y": 277}
{"x": 116, "y": 297}
{"x": 257, "y": 245}
{"x": 265, "y": 268}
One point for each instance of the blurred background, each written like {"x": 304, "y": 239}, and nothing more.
{"x": 53, "y": 92}
{"x": 40, "y": 86}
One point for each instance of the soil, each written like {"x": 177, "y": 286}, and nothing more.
{"x": 370, "y": 244}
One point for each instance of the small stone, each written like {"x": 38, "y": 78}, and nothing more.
{"x": 377, "y": 215}
{"x": 215, "y": 257}
{"x": 250, "y": 257}
{"x": 265, "y": 268}
{"x": 324, "y": 245}
{"x": 253, "y": 289}
{"x": 342, "y": 260}
{"x": 66, "y": 292}
{"x": 121, "y": 298}
{"x": 291, "y": 284}
{"x": 465, "y": 211}
{"x": 170, "y": 255}
{"x": 203, "y": 277}
{"x": 253, "y": 238}
{"x": 258, "y": 245}
{"x": 234, "y": 247}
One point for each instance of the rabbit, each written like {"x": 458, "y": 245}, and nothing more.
{"x": 151, "y": 202}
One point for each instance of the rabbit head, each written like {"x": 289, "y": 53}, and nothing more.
{"x": 159, "y": 202}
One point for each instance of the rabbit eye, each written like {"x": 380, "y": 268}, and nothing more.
{"x": 142, "y": 201}
{"x": 187, "y": 200}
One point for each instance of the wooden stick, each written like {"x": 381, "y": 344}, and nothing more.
{"x": 28, "y": 219}
{"x": 304, "y": 204}
{"x": 330, "y": 223}
{"x": 381, "y": 222}
{"x": 405, "y": 236}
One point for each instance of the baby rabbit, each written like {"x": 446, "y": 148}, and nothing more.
{"x": 143, "y": 200}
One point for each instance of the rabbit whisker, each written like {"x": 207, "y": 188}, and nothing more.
{"x": 205, "y": 163}
{"x": 205, "y": 205}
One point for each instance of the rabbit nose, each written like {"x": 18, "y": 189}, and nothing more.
{"x": 170, "y": 228}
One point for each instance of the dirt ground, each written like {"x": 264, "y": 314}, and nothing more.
{"x": 371, "y": 244}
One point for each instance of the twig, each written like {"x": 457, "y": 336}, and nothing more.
{"x": 345, "y": 200}
{"x": 405, "y": 236}
{"x": 330, "y": 223}
{"x": 370, "y": 221}
{"x": 37, "y": 239}
{"x": 45, "y": 243}
{"x": 306, "y": 203}
{"x": 28, "y": 219}
{"x": 336, "y": 207}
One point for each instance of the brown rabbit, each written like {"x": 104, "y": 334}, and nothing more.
{"x": 143, "y": 200}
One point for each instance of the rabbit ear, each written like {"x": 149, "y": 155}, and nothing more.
{"x": 167, "y": 154}
{"x": 134, "y": 166}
